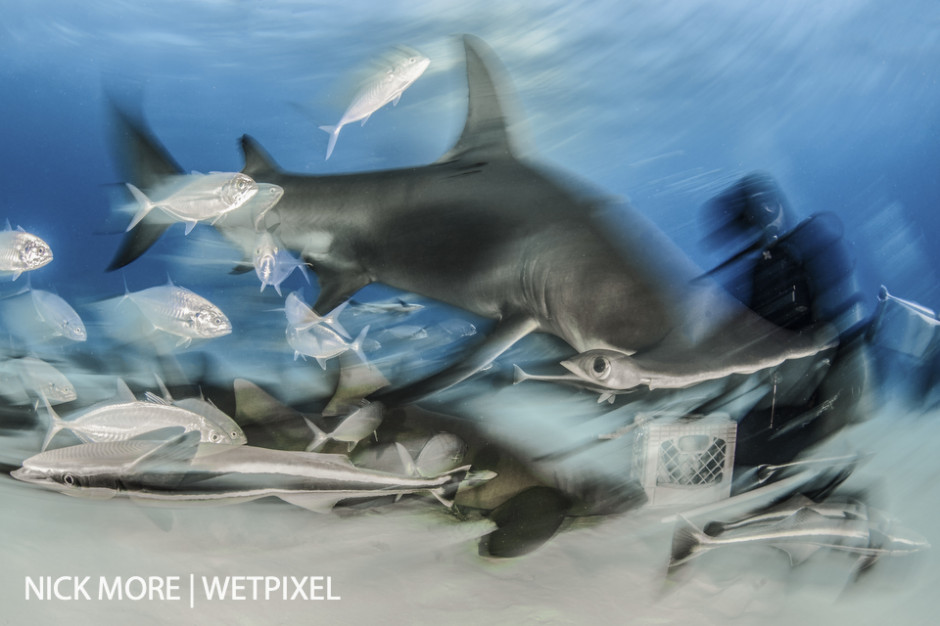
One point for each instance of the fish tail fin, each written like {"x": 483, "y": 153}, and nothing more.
{"x": 320, "y": 438}
{"x": 454, "y": 478}
{"x": 458, "y": 478}
{"x": 407, "y": 461}
{"x": 356, "y": 345}
{"x": 334, "y": 135}
{"x": 518, "y": 375}
{"x": 55, "y": 423}
{"x": 145, "y": 205}
{"x": 687, "y": 541}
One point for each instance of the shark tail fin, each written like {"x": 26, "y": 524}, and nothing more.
{"x": 320, "y": 438}
{"x": 334, "y": 135}
{"x": 143, "y": 201}
{"x": 687, "y": 541}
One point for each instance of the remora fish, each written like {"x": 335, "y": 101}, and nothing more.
{"x": 21, "y": 252}
{"x": 800, "y": 535}
{"x": 484, "y": 231}
{"x": 195, "y": 197}
{"x": 58, "y": 315}
{"x": 839, "y": 509}
{"x": 180, "y": 471}
{"x": 125, "y": 417}
{"x": 180, "y": 312}
{"x": 376, "y": 93}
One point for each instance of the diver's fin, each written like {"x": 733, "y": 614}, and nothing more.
{"x": 503, "y": 337}
{"x": 484, "y": 133}
{"x": 257, "y": 159}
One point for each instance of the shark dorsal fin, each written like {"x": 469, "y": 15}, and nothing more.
{"x": 484, "y": 134}
{"x": 257, "y": 159}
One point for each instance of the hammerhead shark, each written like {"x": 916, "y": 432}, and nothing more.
{"x": 484, "y": 230}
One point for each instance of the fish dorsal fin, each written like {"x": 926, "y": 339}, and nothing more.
{"x": 124, "y": 393}
{"x": 168, "y": 456}
{"x": 484, "y": 133}
{"x": 802, "y": 517}
{"x": 153, "y": 398}
{"x": 257, "y": 159}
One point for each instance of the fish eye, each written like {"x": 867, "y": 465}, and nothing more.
{"x": 215, "y": 437}
{"x": 600, "y": 366}
{"x": 69, "y": 480}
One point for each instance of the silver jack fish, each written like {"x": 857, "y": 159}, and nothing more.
{"x": 302, "y": 317}
{"x": 801, "y": 535}
{"x": 380, "y": 90}
{"x": 58, "y": 315}
{"x": 21, "y": 252}
{"x": 354, "y": 428}
{"x": 180, "y": 312}
{"x": 195, "y": 197}
{"x": 125, "y": 417}
{"x": 182, "y": 471}
{"x": 37, "y": 379}
{"x": 272, "y": 263}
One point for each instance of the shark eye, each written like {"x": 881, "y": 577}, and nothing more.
{"x": 600, "y": 366}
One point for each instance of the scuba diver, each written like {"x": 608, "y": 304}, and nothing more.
{"x": 798, "y": 277}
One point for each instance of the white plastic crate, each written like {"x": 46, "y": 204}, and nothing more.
{"x": 685, "y": 459}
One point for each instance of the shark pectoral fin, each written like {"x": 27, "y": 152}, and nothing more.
{"x": 317, "y": 502}
{"x": 336, "y": 287}
{"x": 504, "y": 336}
{"x": 396, "y": 100}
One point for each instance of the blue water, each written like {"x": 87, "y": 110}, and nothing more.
{"x": 661, "y": 103}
